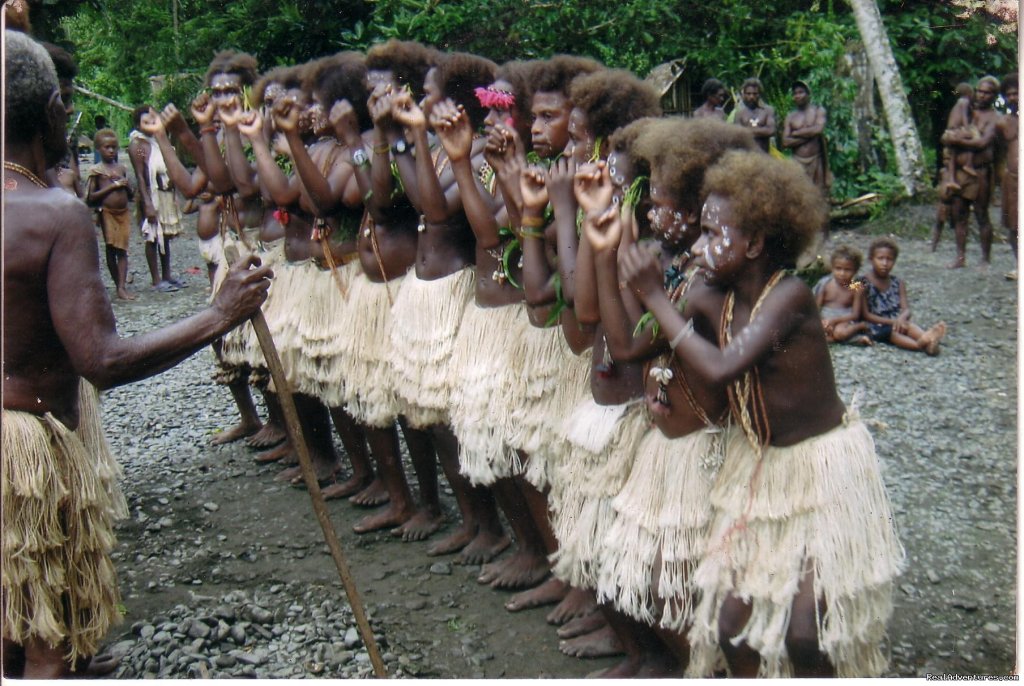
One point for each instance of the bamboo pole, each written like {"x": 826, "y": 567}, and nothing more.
{"x": 102, "y": 98}
{"x": 294, "y": 429}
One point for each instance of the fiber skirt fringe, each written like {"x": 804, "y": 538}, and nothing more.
{"x": 536, "y": 359}
{"x": 817, "y": 507}
{"x": 366, "y": 355}
{"x": 58, "y": 581}
{"x": 661, "y": 517}
{"x": 240, "y": 345}
{"x": 572, "y": 388}
{"x": 297, "y": 286}
{"x": 482, "y": 363}
{"x": 426, "y": 320}
{"x": 601, "y": 442}
{"x": 322, "y": 323}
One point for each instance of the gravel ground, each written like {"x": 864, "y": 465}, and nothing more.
{"x": 224, "y": 571}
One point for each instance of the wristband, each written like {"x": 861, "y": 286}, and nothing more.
{"x": 526, "y": 232}
{"x": 207, "y": 129}
{"x": 532, "y": 222}
{"x": 683, "y": 333}
{"x": 381, "y": 149}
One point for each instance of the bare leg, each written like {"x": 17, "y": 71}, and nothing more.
{"x": 272, "y": 432}
{"x": 316, "y": 429}
{"x": 385, "y": 449}
{"x": 13, "y": 659}
{"x": 981, "y": 214}
{"x": 249, "y": 419}
{"x": 424, "y": 523}
{"x": 45, "y": 662}
{"x": 960, "y": 215}
{"x": 743, "y": 660}
{"x": 354, "y": 441}
{"x": 122, "y": 275}
{"x": 151, "y": 262}
{"x": 165, "y": 260}
{"x": 111, "y": 254}
{"x": 424, "y": 462}
{"x": 802, "y": 635}
{"x": 528, "y": 564}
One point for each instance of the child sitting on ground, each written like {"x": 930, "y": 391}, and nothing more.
{"x": 108, "y": 189}
{"x": 797, "y": 571}
{"x": 839, "y": 299}
{"x": 885, "y": 307}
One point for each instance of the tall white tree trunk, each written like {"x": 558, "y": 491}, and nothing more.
{"x": 909, "y": 154}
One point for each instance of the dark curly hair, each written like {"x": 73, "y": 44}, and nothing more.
{"x": 611, "y": 98}
{"x": 681, "y": 151}
{"x": 555, "y": 75}
{"x": 232, "y": 62}
{"x": 710, "y": 87}
{"x": 626, "y": 141}
{"x": 63, "y": 62}
{"x": 278, "y": 75}
{"x": 341, "y": 77}
{"x": 883, "y": 242}
{"x": 773, "y": 197}
{"x": 408, "y": 60}
{"x": 459, "y": 74}
{"x": 1009, "y": 81}
{"x": 848, "y": 252}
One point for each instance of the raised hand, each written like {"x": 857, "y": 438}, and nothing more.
{"x": 533, "y": 185}
{"x": 151, "y": 124}
{"x": 640, "y": 269}
{"x": 286, "y": 113}
{"x": 406, "y": 112}
{"x": 451, "y": 124}
{"x": 379, "y": 105}
{"x": 250, "y": 125}
{"x": 172, "y": 120}
{"x": 231, "y": 111}
{"x": 203, "y": 109}
{"x": 344, "y": 121}
{"x": 560, "y": 179}
{"x": 593, "y": 187}
{"x": 603, "y": 228}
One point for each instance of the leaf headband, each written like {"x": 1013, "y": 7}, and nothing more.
{"x": 495, "y": 98}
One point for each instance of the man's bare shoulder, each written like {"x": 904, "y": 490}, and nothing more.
{"x": 51, "y": 210}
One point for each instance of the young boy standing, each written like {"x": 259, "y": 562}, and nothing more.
{"x": 109, "y": 189}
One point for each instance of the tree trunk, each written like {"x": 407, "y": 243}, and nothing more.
{"x": 905, "y": 140}
{"x": 865, "y": 116}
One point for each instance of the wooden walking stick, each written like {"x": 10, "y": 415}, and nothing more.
{"x": 294, "y": 429}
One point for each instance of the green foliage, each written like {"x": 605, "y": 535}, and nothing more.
{"x": 122, "y": 43}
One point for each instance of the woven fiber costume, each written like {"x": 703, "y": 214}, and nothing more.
{"x": 60, "y": 498}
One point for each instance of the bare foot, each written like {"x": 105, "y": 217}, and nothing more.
{"x": 372, "y": 495}
{"x": 453, "y": 542}
{"x": 483, "y": 548}
{"x": 122, "y": 294}
{"x": 958, "y": 263}
{"x": 862, "y": 340}
{"x": 523, "y": 570}
{"x": 420, "y": 526}
{"x": 346, "y": 488}
{"x": 578, "y": 603}
{"x": 281, "y": 451}
{"x": 584, "y": 624}
{"x": 289, "y": 474}
{"x": 936, "y": 334}
{"x": 325, "y": 472}
{"x": 551, "y": 591}
{"x": 600, "y": 643}
{"x": 492, "y": 571}
{"x": 270, "y": 435}
{"x": 240, "y": 430}
{"x": 385, "y": 518}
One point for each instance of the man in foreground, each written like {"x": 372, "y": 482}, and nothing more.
{"x": 59, "y": 591}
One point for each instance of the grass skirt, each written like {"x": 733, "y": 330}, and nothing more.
{"x": 241, "y": 346}
{"x": 297, "y": 286}
{"x": 572, "y": 388}
{"x": 59, "y": 502}
{"x": 818, "y": 506}
{"x": 366, "y": 355}
{"x": 536, "y": 360}
{"x": 661, "y": 517}
{"x": 482, "y": 363}
{"x": 425, "y": 323}
{"x": 322, "y": 324}
{"x": 601, "y": 442}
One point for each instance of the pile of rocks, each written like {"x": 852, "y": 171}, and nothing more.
{"x": 270, "y": 635}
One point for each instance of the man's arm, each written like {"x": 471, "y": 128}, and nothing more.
{"x": 85, "y": 323}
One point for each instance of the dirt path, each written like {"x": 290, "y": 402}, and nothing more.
{"x": 214, "y": 539}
